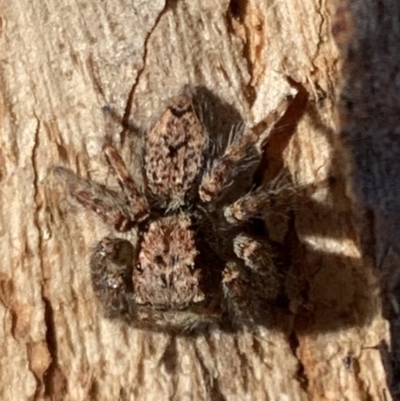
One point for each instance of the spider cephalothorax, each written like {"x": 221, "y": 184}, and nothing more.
{"x": 198, "y": 259}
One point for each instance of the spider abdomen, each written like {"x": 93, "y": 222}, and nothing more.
{"x": 165, "y": 275}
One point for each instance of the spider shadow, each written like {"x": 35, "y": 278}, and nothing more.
{"x": 335, "y": 289}
{"x": 369, "y": 120}
{"x": 332, "y": 290}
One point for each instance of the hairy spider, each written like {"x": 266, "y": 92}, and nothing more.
{"x": 200, "y": 258}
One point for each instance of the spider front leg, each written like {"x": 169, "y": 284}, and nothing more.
{"x": 119, "y": 209}
{"x": 138, "y": 206}
{"x": 251, "y": 283}
{"x": 111, "y": 268}
{"x": 244, "y": 150}
{"x": 108, "y": 204}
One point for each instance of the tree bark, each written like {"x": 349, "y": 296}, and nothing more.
{"x": 62, "y": 62}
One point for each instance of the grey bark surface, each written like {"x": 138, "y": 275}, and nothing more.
{"x": 61, "y": 62}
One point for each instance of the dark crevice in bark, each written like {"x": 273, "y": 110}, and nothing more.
{"x": 54, "y": 380}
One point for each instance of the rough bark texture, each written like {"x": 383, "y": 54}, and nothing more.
{"x": 61, "y": 62}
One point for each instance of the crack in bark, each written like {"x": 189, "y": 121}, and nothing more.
{"x": 212, "y": 386}
{"x": 128, "y": 108}
{"x": 54, "y": 383}
{"x": 54, "y": 380}
{"x": 238, "y": 10}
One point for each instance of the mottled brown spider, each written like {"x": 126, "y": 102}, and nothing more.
{"x": 200, "y": 258}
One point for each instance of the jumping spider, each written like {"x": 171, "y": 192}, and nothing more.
{"x": 199, "y": 259}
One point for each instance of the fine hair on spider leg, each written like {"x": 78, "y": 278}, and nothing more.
{"x": 199, "y": 260}
{"x": 244, "y": 150}
{"x": 278, "y": 196}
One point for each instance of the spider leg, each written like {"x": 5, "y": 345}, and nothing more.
{"x": 259, "y": 202}
{"x": 111, "y": 267}
{"x": 247, "y": 206}
{"x": 237, "y": 300}
{"x": 243, "y": 150}
{"x": 108, "y": 204}
{"x": 250, "y": 283}
{"x": 258, "y": 257}
{"x": 139, "y": 209}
